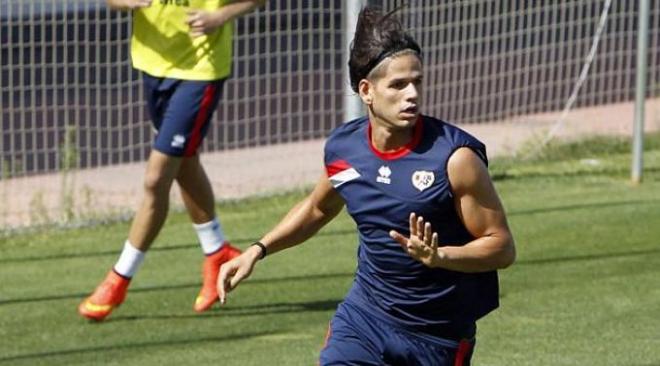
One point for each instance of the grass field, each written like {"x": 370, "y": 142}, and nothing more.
{"x": 584, "y": 291}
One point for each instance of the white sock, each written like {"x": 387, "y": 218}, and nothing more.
{"x": 129, "y": 260}
{"x": 210, "y": 235}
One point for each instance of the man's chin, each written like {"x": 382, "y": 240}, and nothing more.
{"x": 408, "y": 120}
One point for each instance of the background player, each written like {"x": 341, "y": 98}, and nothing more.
{"x": 184, "y": 50}
{"x": 431, "y": 227}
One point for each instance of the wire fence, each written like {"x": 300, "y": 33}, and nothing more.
{"x": 491, "y": 60}
{"x": 71, "y": 101}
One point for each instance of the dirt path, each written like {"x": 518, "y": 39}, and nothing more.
{"x": 240, "y": 173}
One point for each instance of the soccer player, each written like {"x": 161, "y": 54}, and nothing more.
{"x": 183, "y": 49}
{"x": 432, "y": 231}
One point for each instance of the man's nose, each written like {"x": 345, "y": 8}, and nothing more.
{"x": 412, "y": 92}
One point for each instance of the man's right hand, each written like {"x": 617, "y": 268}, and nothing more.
{"x": 236, "y": 270}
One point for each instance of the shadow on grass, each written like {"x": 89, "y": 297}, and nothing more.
{"x": 245, "y": 310}
{"x": 117, "y": 250}
{"x": 311, "y": 277}
{"x": 582, "y": 206}
{"x": 328, "y": 233}
{"x": 136, "y": 345}
{"x": 314, "y": 277}
{"x": 577, "y": 258}
{"x": 502, "y": 175}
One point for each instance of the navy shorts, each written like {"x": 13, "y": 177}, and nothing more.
{"x": 181, "y": 111}
{"x": 358, "y": 338}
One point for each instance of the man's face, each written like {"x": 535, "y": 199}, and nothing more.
{"x": 394, "y": 93}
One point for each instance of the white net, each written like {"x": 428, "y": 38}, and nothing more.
{"x": 492, "y": 60}
{"x": 74, "y": 129}
{"x": 67, "y": 67}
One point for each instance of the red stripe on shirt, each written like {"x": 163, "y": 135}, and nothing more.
{"x": 202, "y": 117}
{"x": 336, "y": 167}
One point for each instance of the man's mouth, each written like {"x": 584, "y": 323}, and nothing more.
{"x": 410, "y": 110}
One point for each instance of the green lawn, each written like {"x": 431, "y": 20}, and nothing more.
{"x": 585, "y": 289}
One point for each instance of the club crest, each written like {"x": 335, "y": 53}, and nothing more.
{"x": 422, "y": 179}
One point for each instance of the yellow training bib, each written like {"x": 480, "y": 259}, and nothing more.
{"x": 162, "y": 46}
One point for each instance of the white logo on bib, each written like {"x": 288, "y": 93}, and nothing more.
{"x": 384, "y": 175}
{"x": 178, "y": 141}
{"x": 422, "y": 179}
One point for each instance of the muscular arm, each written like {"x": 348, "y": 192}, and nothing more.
{"x": 305, "y": 218}
{"x": 479, "y": 206}
{"x": 481, "y": 211}
{"x": 301, "y": 223}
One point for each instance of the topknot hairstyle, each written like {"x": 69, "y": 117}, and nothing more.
{"x": 377, "y": 36}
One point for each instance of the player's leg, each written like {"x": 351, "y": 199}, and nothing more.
{"x": 150, "y": 217}
{"x": 148, "y": 220}
{"x": 196, "y": 190}
{"x": 198, "y": 198}
{"x": 353, "y": 339}
{"x": 162, "y": 168}
{"x": 195, "y": 103}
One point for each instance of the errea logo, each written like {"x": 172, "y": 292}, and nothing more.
{"x": 384, "y": 175}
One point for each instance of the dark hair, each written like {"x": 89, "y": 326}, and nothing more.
{"x": 377, "y": 37}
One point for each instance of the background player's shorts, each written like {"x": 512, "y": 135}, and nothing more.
{"x": 181, "y": 111}
{"x": 357, "y": 338}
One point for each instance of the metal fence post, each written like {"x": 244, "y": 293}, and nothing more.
{"x": 352, "y": 103}
{"x": 640, "y": 92}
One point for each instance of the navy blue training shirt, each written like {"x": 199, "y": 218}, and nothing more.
{"x": 380, "y": 191}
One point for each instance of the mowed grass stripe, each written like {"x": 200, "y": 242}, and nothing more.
{"x": 583, "y": 292}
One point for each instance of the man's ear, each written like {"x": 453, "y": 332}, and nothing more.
{"x": 365, "y": 88}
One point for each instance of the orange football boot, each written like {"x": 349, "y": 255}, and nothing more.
{"x": 105, "y": 298}
{"x": 208, "y": 295}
